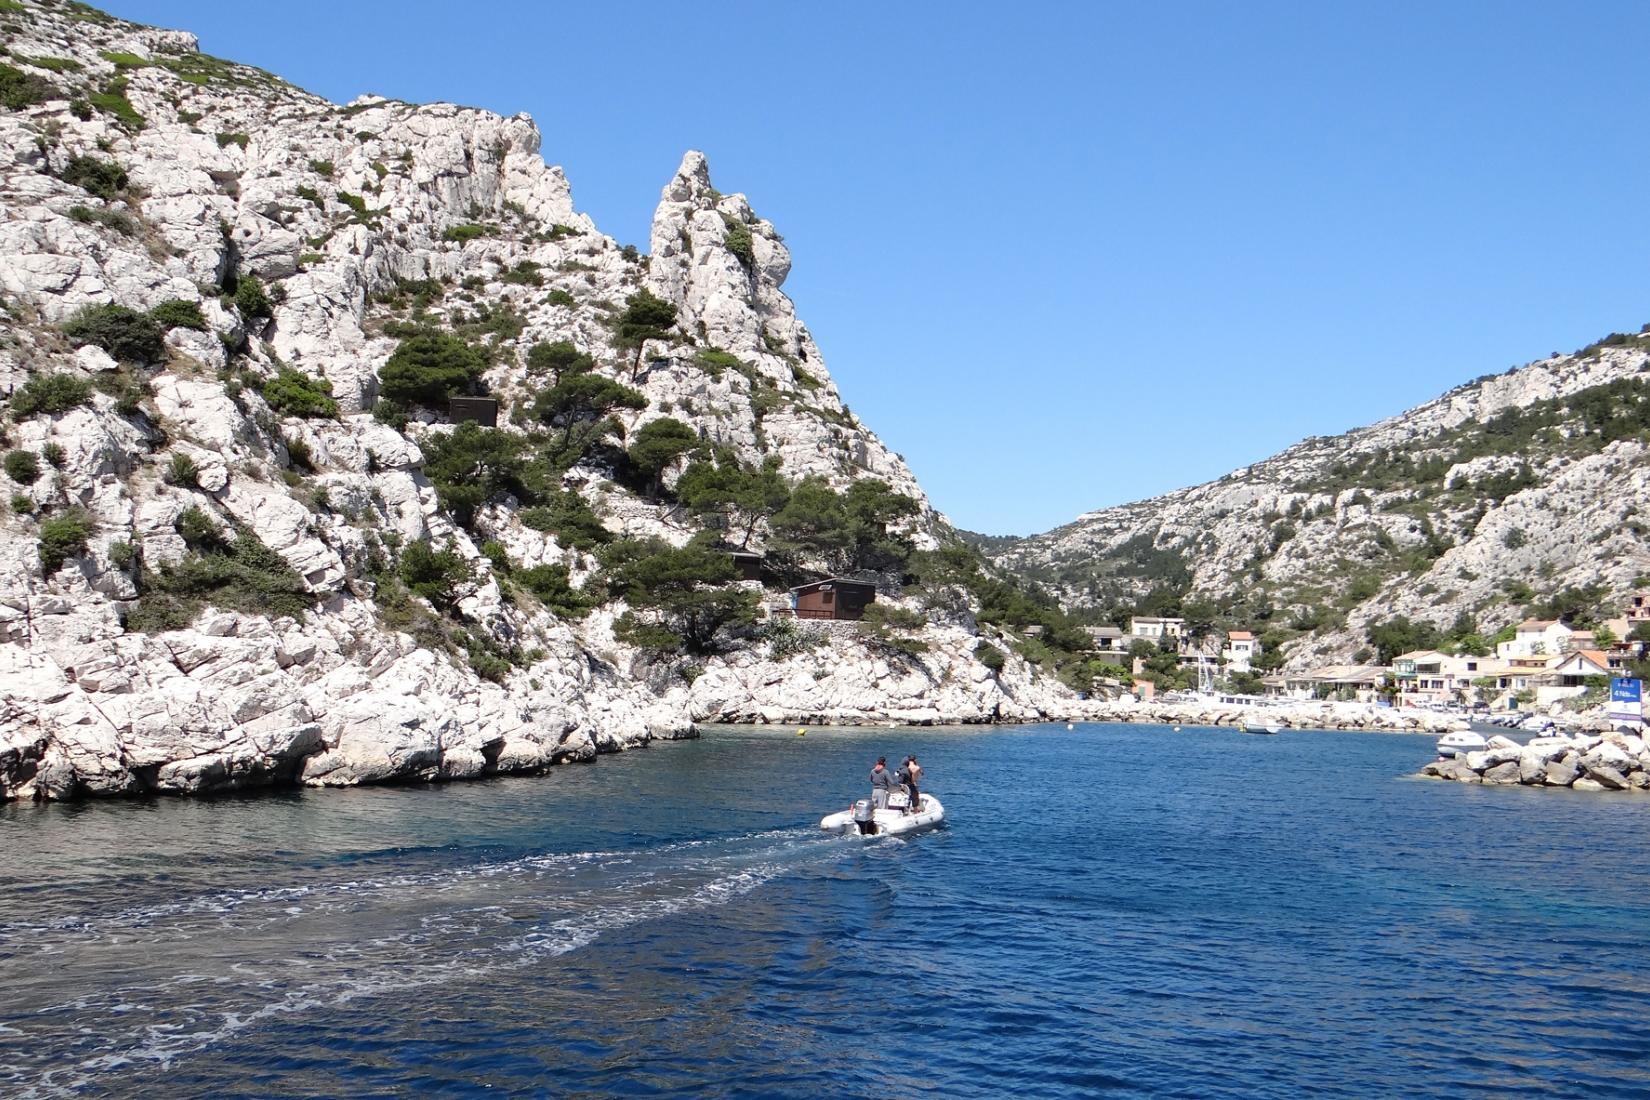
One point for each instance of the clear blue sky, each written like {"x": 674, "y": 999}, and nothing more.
{"x": 1069, "y": 255}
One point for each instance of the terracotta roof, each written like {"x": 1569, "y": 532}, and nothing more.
{"x": 1241, "y": 636}
{"x": 1536, "y": 624}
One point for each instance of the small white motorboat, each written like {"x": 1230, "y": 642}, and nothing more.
{"x": 1461, "y": 742}
{"x": 862, "y": 819}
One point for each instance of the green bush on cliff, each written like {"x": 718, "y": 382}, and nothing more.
{"x": 178, "y": 313}
{"x": 50, "y": 394}
{"x": 22, "y": 467}
{"x": 553, "y": 585}
{"x": 240, "y": 574}
{"x": 251, "y": 298}
{"x": 738, "y": 240}
{"x": 990, "y": 656}
{"x": 20, "y": 89}
{"x": 570, "y": 518}
{"x": 63, "y": 537}
{"x": 436, "y": 575}
{"x": 294, "y": 393}
{"x": 126, "y": 334}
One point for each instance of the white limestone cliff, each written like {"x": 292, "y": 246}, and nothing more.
{"x": 233, "y": 172}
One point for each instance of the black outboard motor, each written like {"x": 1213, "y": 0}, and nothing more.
{"x": 865, "y": 817}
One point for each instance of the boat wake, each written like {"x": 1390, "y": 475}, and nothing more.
{"x": 259, "y": 955}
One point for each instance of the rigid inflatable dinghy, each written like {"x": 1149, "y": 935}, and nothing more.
{"x": 862, "y": 819}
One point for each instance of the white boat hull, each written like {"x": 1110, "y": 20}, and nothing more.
{"x": 888, "y": 822}
{"x": 1460, "y": 743}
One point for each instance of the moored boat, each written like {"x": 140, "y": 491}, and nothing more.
{"x": 862, "y": 819}
{"x": 1460, "y": 742}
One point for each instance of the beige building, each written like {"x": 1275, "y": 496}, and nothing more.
{"x": 1155, "y": 629}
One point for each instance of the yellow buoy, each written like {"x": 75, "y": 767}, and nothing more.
{"x": 802, "y": 733}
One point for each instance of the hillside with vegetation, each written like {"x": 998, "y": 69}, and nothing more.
{"x": 340, "y": 447}
{"x": 1512, "y": 496}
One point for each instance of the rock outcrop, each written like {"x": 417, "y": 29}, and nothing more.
{"x": 286, "y": 237}
{"x": 1610, "y": 761}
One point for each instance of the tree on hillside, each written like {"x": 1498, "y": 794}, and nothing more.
{"x": 429, "y": 368}
{"x": 579, "y": 405}
{"x": 1398, "y": 635}
{"x": 471, "y": 465}
{"x": 812, "y": 527}
{"x": 872, "y": 508}
{"x": 558, "y": 360}
{"x": 726, "y": 495}
{"x": 685, "y": 594}
{"x": 656, "y": 445}
{"x": 645, "y": 318}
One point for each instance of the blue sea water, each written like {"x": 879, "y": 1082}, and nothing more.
{"x": 1111, "y": 911}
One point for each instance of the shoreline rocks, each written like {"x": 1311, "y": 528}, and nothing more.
{"x": 1611, "y": 761}
{"x": 1346, "y": 717}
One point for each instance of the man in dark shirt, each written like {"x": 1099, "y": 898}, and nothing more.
{"x": 882, "y": 781}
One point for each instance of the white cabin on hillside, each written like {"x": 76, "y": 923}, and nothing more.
{"x": 1242, "y": 647}
{"x": 1155, "y": 629}
{"x": 1536, "y": 638}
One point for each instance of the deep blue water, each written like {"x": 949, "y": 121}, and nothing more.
{"x": 1111, "y": 911}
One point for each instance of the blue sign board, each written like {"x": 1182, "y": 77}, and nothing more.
{"x": 1626, "y": 701}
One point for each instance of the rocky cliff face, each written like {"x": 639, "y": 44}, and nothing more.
{"x": 1486, "y": 501}
{"x": 136, "y": 171}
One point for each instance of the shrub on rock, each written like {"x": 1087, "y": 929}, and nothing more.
{"x": 434, "y": 574}
{"x": 241, "y": 575}
{"x": 63, "y": 537}
{"x": 126, "y": 334}
{"x": 294, "y": 393}
{"x": 182, "y": 472}
{"x": 570, "y": 518}
{"x": 103, "y": 178}
{"x": 552, "y": 584}
{"x": 22, "y": 467}
{"x": 251, "y": 298}
{"x": 990, "y": 656}
{"x": 179, "y": 313}
{"x": 50, "y": 394}
{"x": 20, "y": 89}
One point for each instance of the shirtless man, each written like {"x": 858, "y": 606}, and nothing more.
{"x": 913, "y": 773}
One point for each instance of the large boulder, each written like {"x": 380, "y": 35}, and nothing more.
{"x": 1563, "y": 771}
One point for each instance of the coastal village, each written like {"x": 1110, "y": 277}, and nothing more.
{"x": 1535, "y": 665}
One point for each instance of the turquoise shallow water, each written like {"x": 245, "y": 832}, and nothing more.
{"x": 1112, "y": 910}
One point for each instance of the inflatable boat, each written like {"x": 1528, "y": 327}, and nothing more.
{"x": 861, "y": 819}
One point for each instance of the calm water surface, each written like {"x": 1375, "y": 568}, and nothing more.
{"x": 1112, "y": 910}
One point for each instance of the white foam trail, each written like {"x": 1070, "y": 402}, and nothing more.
{"x": 229, "y": 901}
{"x": 595, "y": 913}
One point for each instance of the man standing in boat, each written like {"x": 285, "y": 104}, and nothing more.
{"x": 908, "y": 776}
{"x": 882, "y": 781}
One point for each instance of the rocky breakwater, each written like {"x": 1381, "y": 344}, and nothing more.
{"x": 1611, "y": 761}
{"x": 1300, "y": 716}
